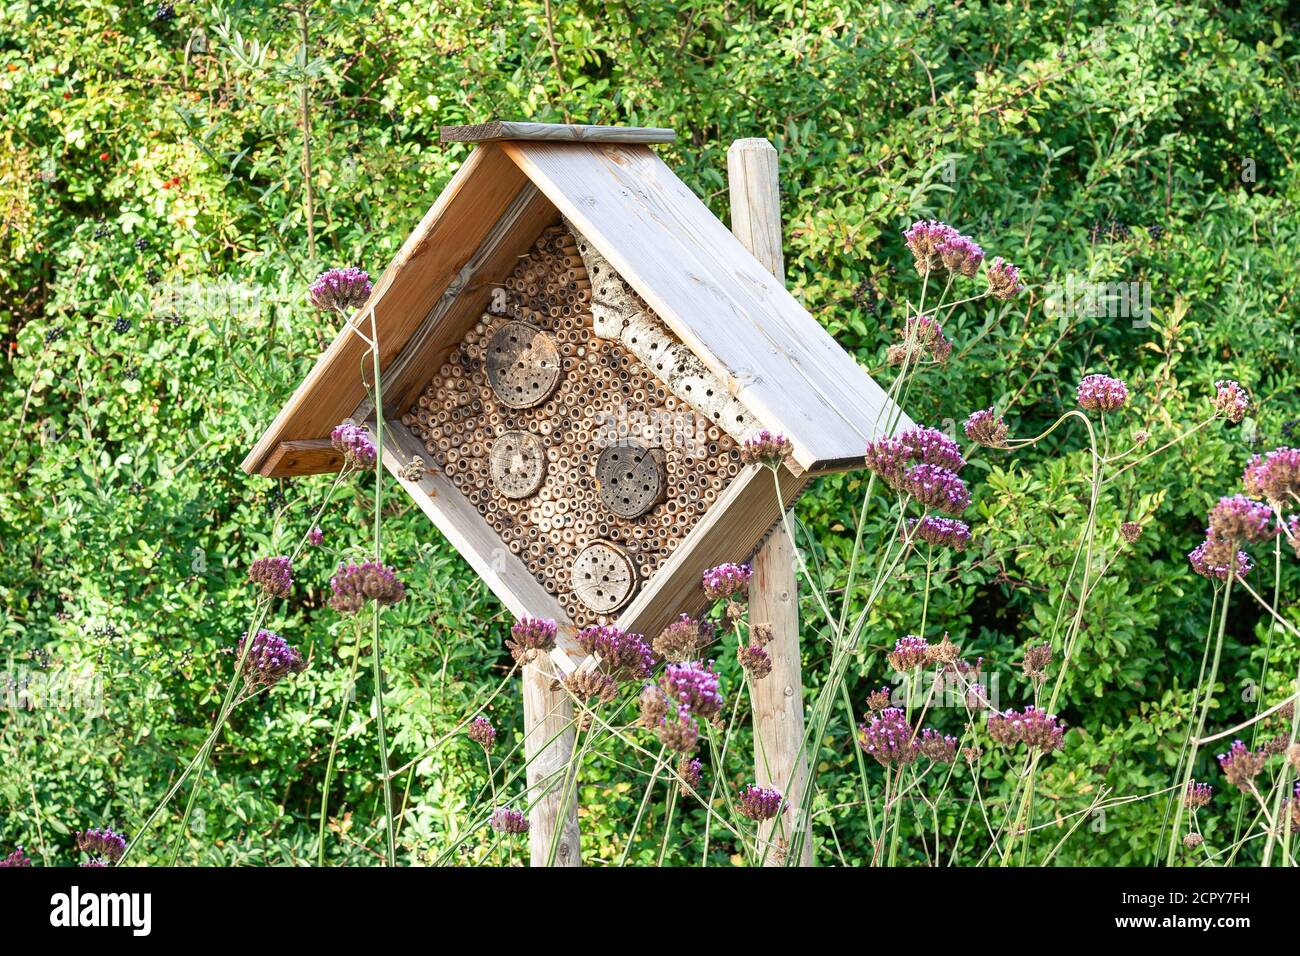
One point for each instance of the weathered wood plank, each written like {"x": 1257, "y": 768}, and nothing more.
{"x": 467, "y": 532}
{"x": 497, "y": 131}
{"x": 432, "y": 256}
{"x": 738, "y": 520}
{"x": 549, "y": 737}
{"x": 313, "y": 456}
{"x": 772, "y": 355}
{"x": 777, "y": 699}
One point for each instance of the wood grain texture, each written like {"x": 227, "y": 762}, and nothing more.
{"x": 549, "y": 736}
{"x": 469, "y": 534}
{"x": 777, "y": 699}
{"x": 430, "y": 259}
{"x": 313, "y": 456}
{"x": 712, "y": 293}
{"x": 731, "y": 529}
{"x": 555, "y": 132}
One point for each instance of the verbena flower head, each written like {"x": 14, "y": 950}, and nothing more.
{"x": 931, "y": 447}
{"x": 355, "y": 444}
{"x": 754, "y": 660}
{"x": 937, "y": 746}
{"x": 273, "y": 575}
{"x": 315, "y": 536}
{"x": 1275, "y": 476}
{"x": 924, "y": 238}
{"x": 1241, "y": 765}
{"x": 961, "y": 255}
{"x": 355, "y": 584}
{"x": 270, "y": 660}
{"x": 888, "y": 738}
{"x": 766, "y": 448}
{"x": 695, "y": 686}
{"x": 1130, "y": 531}
{"x": 1192, "y": 841}
{"x": 1004, "y": 279}
{"x": 593, "y": 687}
{"x": 683, "y": 639}
{"x": 879, "y": 699}
{"x": 1214, "y": 570}
{"x": 340, "y": 290}
{"x": 623, "y": 656}
{"x": 923, "y": 338}
{"x": 1037, "y": 658}
{"x": 909, "y": 652}
{"x": 689, "y": 769}
{"x": 508, "y": 820}
{"x": 531, "y": 637}
{"x": 725, "y": 580}
{"x": 888, "y": 459}
{"x": 482, "y": 732}
{"x": 936, "y": 488}
{"x": 679, "y": 732}
{"x": 939, "y": 532}
{"x": 760, "y": 803}
{"x": 985, "y": 427}
{"x": 1101, "y": 393}
{"x": 1197, "y": 795}
{"x": 16, "y": 858}
{"x": 653, "y": 705}
{"x": 1035, "y": 728}
{"x": 1236, "y": 519}
{"x": 1231, "y": 400}
{"x": 101, "y": 843}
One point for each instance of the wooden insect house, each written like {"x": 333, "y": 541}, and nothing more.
{"x": 577, "y": 349}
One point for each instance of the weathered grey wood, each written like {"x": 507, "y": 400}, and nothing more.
{"x": 711, "y": 292}
{"x": 604, "y": 577}
{"x": 549, "y": 735}
{"x": 777, "y": 699}
{"x": 555, "y": 132}
{"x": 468, "y": 533}
{"x": 523, "y": 365}
{"x": 517, "y": 463}
{"x": 630, "y": 478}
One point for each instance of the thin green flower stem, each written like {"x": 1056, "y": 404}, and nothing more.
{"x": 718, "y": 770}
{"x": 668, "y": 821}
{"x": 348, "y": 691}
{"x": 1204, "y": 711}
{"x": 569, "y": 786}
{"x": 861, "y": 758}
{"x": 437, "y": 745}
{"x": 385, "y": 780}
{"x": 1151, "y": 454}
{"x": 223, "y": 715}
{"x": 660, "y": 763}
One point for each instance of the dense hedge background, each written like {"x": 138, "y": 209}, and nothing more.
{"x": 144, "y": 147}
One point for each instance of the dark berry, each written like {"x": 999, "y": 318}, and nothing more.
{"x": 141, "y": 244}
{"x": 165, "y": 13}
{"x": 151, "y": 276}
{"x": 53, "y": 335}
{"x": 101, "y": 231}
{"x": 123, "y": 324}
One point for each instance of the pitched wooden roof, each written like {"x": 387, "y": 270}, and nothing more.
{"x": 709, "y": 290}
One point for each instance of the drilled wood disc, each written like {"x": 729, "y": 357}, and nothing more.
{"x": 630, "y": 478}
{"x": 603, "y": 577}
{"x": 523, "y": 365}
{"x": 518, "y": 464}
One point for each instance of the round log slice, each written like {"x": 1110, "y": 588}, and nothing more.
{"x": 630, "y": 478}
{"x": 518, "y": 464}
{"x": 523, "y": 365}
{"x": 604, "y": 577}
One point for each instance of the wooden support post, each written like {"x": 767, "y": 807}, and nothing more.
{"x": 777, "y": 699}
{"x": 549, "y": 714}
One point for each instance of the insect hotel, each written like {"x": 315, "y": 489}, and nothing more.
{"x": 576, "y": 349}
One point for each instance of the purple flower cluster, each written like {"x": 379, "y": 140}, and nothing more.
{"x": 939, "y": 532}
{"x": 985, "y": 427}
{"x": 101, "y": 844}
{"x": 922, "y": 337}
{"x": 1198, "y": 795}
{"x": 754, "y": 660}
{"x": 1275, "y": 476}
{"x": 888, "y": 737}
{"x": 270, "y": 660}
{"x": 694, "y": 686}
{"x": 1242, "y": 765}
{"x": 1231, "y": 400}
{"x": 273, "y": 575}
{"x": 482, "y": 732}
{"x": 508, "y": 820}
{"x": 725, "y": 580}
{"x": 765, "y": 448}
{"x": 924, "y": 238}
{"x": 937, "y": 488}
{"x": 355, "y": 584}
{"x": 315, "y": 536}
{"x": 1238, "y": 518}
{"x": 340, "y": 290}
{"x": 622, "y": 656}
{"x": 1101, "y": 393}
{"x": 1215, "y": 571}
{"x": 938, "y": 747}
{"x": 930, "y": 446}
{"x": 1034, "y": 728}
{"x": 683, "y": 639}
{"x": 961, "y": 255}
{"x": 1004, "y": 279}
{"x": 909, "y": 653}
{"x": 760, "y": 803}
{"x": 531, "y": 637}
{"x": 355, "y": 444}
{"x": 679, "y": 732}
{"x": 689, "y": 769}
{"x": 16, "y": 858}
